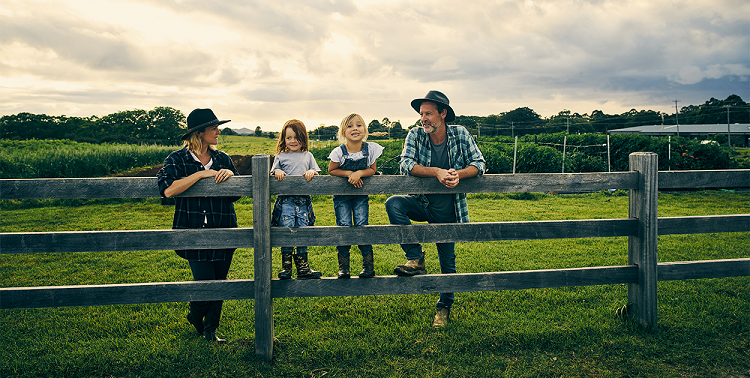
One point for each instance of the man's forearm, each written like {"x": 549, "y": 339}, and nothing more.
{"x": 468, "y": 172}
{"x": 422, "y": 171}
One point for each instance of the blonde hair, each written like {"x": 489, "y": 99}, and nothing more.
{"x": 299, "y": 129}
{"x": 345, "y": 123}
{"x": 194, "y": 142}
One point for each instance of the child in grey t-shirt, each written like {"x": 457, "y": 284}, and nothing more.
{"x": 293, "y": 158}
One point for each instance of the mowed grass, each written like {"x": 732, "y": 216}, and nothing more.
{"x": 704, "y": 325}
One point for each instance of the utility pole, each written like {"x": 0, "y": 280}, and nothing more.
{"x": 568, "y": 126}
{"x": 677, "y": 116}
{"x": 729, "y": 133}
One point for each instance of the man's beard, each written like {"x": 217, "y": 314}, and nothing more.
{"x": 434, "y": 127}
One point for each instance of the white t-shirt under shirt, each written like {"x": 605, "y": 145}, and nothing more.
{"x": 374, "y": 151}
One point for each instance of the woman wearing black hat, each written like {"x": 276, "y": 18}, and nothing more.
{"x": 196, "y": 160}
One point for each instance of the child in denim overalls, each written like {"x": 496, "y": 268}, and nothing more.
{"x": 293, "y": 158}
{"x": 354, "y": 159}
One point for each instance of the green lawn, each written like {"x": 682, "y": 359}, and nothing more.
{"x": 704, "y": 325}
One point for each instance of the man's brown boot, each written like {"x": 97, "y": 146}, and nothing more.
{"x": 411, "y": 268}
{"x": 441, "y": 318}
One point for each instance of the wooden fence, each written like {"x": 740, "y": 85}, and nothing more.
{"x": 641, "y": 227}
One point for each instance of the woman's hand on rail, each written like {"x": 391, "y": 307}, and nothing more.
{"x": 222, "y": 175}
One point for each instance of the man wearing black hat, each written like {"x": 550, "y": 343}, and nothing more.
{"x": 449, "y": 154}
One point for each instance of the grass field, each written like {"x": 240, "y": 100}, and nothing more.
{"x": 251, "y": 145}
{"x": 704, "y": 325}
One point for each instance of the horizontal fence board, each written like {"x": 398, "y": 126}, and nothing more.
{"x": 728, "y": 178}
{"x": 146, "y": 240}
{"x": 504, "y": 183}
{"x": 147, "y": 187}
{"x": 704, "y": 224}
{"x": 465, "y": 282}
{"x": 137, "y": 240}
{"x": 99, "y": 295}
{"x": 451, "y": 232}
{"x": 116, "y": 187}
{"x": 117, "y": 294}
{"x": 686, "y": 270}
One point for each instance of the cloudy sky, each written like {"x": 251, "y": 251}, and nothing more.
{"x": 264, "y": 62}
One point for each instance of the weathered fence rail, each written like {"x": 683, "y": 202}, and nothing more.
{"x": 641, "y": 227}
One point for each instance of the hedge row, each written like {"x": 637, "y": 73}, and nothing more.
{"x": 583, "y": 153}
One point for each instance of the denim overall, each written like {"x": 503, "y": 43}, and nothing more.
{"x": 352, "y": 210}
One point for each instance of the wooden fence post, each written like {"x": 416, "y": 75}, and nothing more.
{"x": 642, "y": 249}
{"x": 262, "y": 257}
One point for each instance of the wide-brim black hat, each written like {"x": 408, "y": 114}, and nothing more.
{"x": 200, "y": 119}
{"x": 439, "y": 97}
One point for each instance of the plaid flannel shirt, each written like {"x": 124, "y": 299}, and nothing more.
{"x": 462, "y": 152}
{"x": 198, "y": 212}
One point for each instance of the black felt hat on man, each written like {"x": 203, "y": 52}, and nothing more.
{"x": 437, "y": 97}
{"x": 199, "y": 119}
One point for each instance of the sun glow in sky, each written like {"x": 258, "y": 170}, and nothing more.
{"x": 260, "y": 63}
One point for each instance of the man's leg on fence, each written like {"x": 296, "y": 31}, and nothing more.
{"x": 447, "y": 256}
{"x": 402, "y": 210}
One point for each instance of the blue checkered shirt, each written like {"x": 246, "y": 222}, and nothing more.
{"x": 462, "y": 152}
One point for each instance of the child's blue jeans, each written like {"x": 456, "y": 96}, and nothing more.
{"x": 294, "y": 214}
{"x": 352, "y": 211}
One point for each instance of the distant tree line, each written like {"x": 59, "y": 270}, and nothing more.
{"x": 385, "y": 129}
{"x": 162, "y": 126}
{"x": 165, "y": 125}
{"x": 525, "y": 121}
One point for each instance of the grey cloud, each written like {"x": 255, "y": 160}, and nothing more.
{"x": 301, "y": 21}
{"x": 89, "y": 50}
{"x": 79, "y": 40}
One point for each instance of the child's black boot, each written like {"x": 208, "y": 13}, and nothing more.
{"x": 368, "y": 266}
{"x": 303, "y": 268}
{"x": 343, "y": 264}
{"x": 286, "y": 266}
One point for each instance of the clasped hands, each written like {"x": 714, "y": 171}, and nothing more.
{"x": 449, "y": 178}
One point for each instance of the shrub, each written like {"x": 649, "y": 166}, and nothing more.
{"x": 537, "y": 159}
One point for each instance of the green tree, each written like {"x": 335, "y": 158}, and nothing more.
{"x": 164, "y": 126}
{"x": 258, "y": 131}
{"x": 228, "y": 131}
{"x": 324, "y": 132}
{"x": 397, "y": 131}
{"x": 23, "y": 126}
{"x": 375, "y": 126}
{"x": 564, "y": 121}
